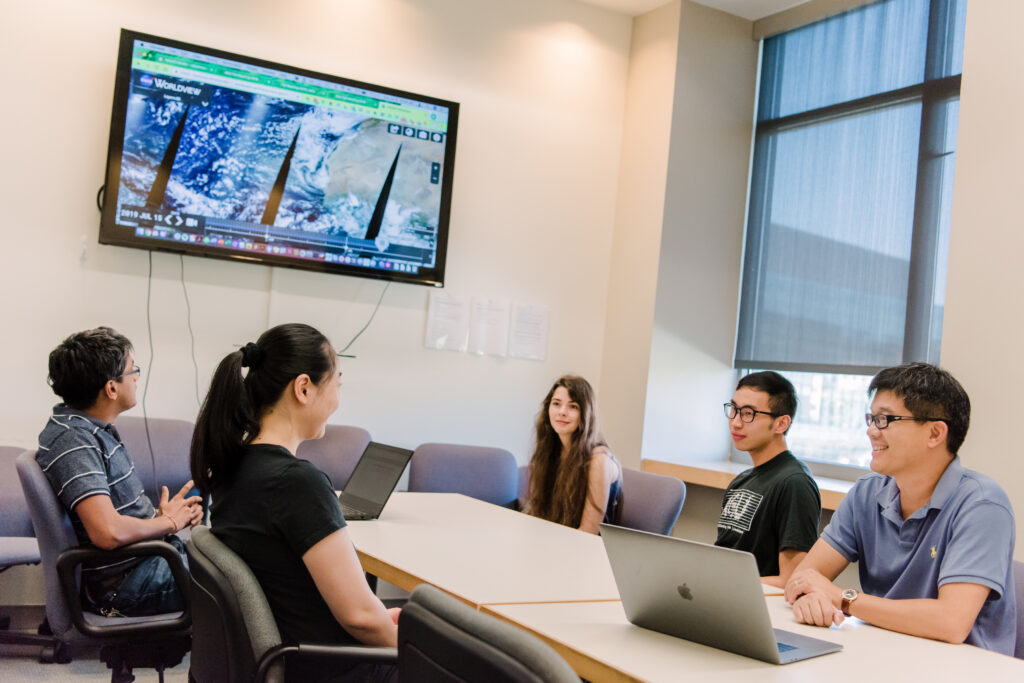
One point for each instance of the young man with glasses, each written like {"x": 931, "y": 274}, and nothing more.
{"x": 85, "y": 462}
{"x": 934, "y": 540}
{"x": 773, "y": 509}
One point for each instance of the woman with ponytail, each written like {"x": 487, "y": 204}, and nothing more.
{"x": 574, "y": 479}
{"x": 279, "y": 513}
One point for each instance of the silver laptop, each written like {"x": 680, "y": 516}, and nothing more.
{"x": 373, "y": 480}
{"x": 700, "y": 592}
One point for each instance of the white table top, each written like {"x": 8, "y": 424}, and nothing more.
{"x": 481, "y": 553}
{"x": 601, "y": 645}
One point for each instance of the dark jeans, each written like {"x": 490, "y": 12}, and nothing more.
{"x": 148, "y": 589}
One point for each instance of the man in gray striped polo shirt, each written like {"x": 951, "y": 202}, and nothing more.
{"x": 88, "y": 467}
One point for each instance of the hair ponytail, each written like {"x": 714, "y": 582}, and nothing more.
{"x": 230, "y": 416}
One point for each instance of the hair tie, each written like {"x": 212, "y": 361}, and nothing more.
{"x": 252, "y": 355}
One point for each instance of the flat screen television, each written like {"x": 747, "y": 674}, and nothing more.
{"x": 216, "y": 154}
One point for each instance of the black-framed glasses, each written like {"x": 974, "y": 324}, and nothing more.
{"x": 137, "y": 370}
{"x": 746, "y": 413}
{"x": 881, "y": 420}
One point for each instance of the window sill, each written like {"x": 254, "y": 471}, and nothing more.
{"x": 718, "y": 473}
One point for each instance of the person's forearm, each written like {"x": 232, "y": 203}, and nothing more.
{"x": 923, "y": 617}
{"x": 125, "y": 530}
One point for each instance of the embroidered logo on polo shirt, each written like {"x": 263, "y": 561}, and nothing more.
{"x": 739, "y": 510}
{"x": 934, "y": 554}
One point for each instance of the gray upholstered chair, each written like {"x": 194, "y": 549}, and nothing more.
{"x": 1018, "y": 586}
{"x": 235, "y": 636}
{"x": 18, "y": 546}
{"x": 651, "y": 502}
{"x": 152, "y": 642}
{"x": 442, "y": 640}
{"x": 477, "y": 471}
{"x": 172, "y": 441}
{"x": 337, "y": 453}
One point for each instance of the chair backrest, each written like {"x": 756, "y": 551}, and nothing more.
{"x": 337, "y": 453}
{"x": 440, "y": 639}
{"x": 1018, "y": 587}
{"x": 14, "y": 517}
{"x": 477, "y": 471}
{"x": 651, "y": 502}
{"x": 55, "y": 535}
{"x": 523, "y": 489}
{"x": 172, "y": 441}
{"x": 232, "y": 625}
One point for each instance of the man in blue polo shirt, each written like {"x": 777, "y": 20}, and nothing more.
{"x": 934, "y": 540}
{"x": 85, "y": 462}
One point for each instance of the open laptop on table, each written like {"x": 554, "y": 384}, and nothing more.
{"x": 373, "y": 480}
{"x": 700, "y": 592}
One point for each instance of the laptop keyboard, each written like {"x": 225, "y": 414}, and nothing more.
{"x": 785, "y": 648}
{"x": 351, "y": 512}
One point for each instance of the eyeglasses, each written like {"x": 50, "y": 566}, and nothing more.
{"x": 746, "y": 413}
{"x": 137, "y": 370}
{"x": 881, "y": 421}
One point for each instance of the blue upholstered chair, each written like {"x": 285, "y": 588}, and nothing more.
{"x": 18, "y": 545}
{"x": 172, "y": 441}
{"x": 337, "y": 452}
{"x": 152, "y": 642}
{"x": 651, "y": 502}
{"x": 1018, "y": 585}
{"x": 477, "y": 471}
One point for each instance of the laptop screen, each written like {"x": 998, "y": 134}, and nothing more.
{"x": 376, "y": 475}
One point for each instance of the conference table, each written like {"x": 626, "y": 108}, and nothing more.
{"x": 556, "y": 583}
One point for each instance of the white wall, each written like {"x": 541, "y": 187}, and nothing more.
{"x": 639, "y": 212}
{"x": 690, "y": 372}
{"x": 542, "y": 87}
{"x": 983, "y": 326}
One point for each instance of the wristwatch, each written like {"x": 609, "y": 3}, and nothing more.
{"x": 849, "y": 595}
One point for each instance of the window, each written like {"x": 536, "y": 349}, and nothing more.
{"x": 851, "y": 189}
{"x": 848, "y": 228}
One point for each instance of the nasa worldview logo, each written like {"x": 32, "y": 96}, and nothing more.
{"x": 146, "y": 81}
{"x": 684, "y": 592}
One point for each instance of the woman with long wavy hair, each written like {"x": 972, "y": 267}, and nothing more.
{"x": 574, "y": 478}
{"x": 279, "y": 513}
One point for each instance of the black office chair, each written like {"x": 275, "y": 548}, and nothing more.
{"x": 234, "y": 635}
{"x": 157, "y": 642}
{"x": 442, "y": 640}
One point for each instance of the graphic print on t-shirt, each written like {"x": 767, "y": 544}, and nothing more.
{"x": 739, "y": 510}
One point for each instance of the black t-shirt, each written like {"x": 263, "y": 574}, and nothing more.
{"x": 275, "y": 509}
{"x": 769, "y": 508}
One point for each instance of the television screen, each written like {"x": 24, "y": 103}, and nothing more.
{"x": 215, "y": 154}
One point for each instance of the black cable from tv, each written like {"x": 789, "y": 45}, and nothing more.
{"x": 372, "y": 315}
{"x": 149, "y": 373}
{"x": 191, "y": 334}
{"x": 100, "y": 198}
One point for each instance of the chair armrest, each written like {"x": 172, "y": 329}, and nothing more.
{"x": 68, "y": 562}
{"x": 340, "y": 653}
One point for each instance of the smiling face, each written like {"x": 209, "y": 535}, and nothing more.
{"x": 564, "y": 414}
{"x": 901, "y": 447}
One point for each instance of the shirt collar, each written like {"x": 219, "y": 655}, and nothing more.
{"x": 888, "y": 496}
{"x": 66, "y": 410}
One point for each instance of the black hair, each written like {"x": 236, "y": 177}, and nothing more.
{"x": 230, "y": 416}
{"x": 84, "y": 362}
{"x": 929, "y": 392}
{"x": 781, "y": 394}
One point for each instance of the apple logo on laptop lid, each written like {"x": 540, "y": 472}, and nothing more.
{"x": 684, "y": 592}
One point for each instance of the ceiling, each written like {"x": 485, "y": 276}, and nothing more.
{"x": 748, "y": 9}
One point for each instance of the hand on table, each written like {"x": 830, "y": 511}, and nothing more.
{"x": 816, "y": 608}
